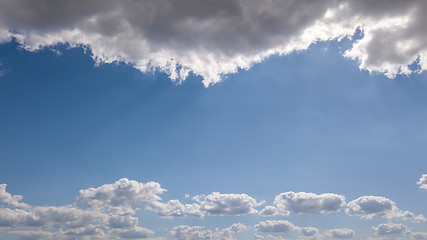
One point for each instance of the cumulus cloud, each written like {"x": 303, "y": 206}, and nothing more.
{"x": 9, "y": 199}
{"x": 32, "y": 235}
{"x": 390, "y": 228}
{"x": 303, "y": 202}
{"x": 218, "y": 37}
{"x": 423, "y": 182}
{"x": 123, "y": 192}
{"x": 184, "y": 232}
{"x": 309, "y": 231}
{"x": 268, "y": 211}
{"x": 174, "y": 208}
{"x": 279, "y": 226}
{"x": 375, "y": 207}
{"x": 19, "y": 218}
{"x": 227, "y": 204}
{"x": 340, "y": 233}
{"x": 134, "y": 233}
{"x": 106, "y": 212}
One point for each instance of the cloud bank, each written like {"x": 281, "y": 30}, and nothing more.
{"x": 218, "y": 37}
{"x": 109, "y": 212}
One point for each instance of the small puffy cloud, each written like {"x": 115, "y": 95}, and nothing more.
{"x": 340, "y": 233}
{"x": 303, "y": 202}
{"x": 123, "y": 192}
{"x": 423, "y": 182}
{"x": 309, "y": 231}
{"x": 227, "y": 204}
{"x": 390, "y": 228}
{"x": 268, "y": 211}
{"x": 279, "y": 226}
{"x": 9, "y": 199}
{"x": 174, "y": 208}
{"x": 376, "y": 207}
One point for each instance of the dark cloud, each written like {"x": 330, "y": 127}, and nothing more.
{"x": 212, "y": 38}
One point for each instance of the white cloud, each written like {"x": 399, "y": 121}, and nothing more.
{"x": 123, "y": 192}
{"x": 303, "y": 202}
{"x": 227, "y": 204}
{"x": 109, "y": 214}
{"x": 423, "y": 181}
{"x": 197, "y": 232}
{"x": 219, "y": 37}
{"x": 68, "y": 216}
{"x": 92, "y": 231}
{"x": 279, "y": 226}
{"x": 11, "y": 200}
{"x": 374, "y": 207}
{"x": 190, "y": 232}
{"x": 390, "y": 228}
{"x": 309, "y": 231}
{"x": 18, "y": 218}
{"x": 174, "y": 208}
{"x": 268, "y": 211}
{"x": 340, "y": 233}
{"x": 134, "y": 233}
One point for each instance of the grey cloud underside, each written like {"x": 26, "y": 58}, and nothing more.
{"x": 216, "y": 37}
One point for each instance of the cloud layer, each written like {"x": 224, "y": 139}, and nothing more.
{"x": 109, "y": 212}
{"x": 218, "y": 37}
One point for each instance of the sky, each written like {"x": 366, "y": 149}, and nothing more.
{"x": 214, "y": 120}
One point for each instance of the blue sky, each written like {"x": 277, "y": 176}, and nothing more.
{"x": 310, "y": 121}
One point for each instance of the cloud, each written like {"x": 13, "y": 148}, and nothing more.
{"x": 32, "y": 235}
{"x": 106, "y": 212}
{"x": 68, "y": 216}
{"x": 227, "y": 204}
{"x": 419, "y": 235}
{"x": 88, "y": 231}
{"x": 303, "y": 202}
{"x": 9, "y": 199}
{"x": 279, "y": 226}
{"x": 109, "y": 212}
{"x": 219, "y": 37}
{"x": 123, "y": 192}
{"x": 390, "y": 228}
{"x": 268, "y": 211}
{"x": 375, "y": 207}
{"x": 423, "y": 182}
{"x": 134, "y": 233}
{"x": 18, "y": 218}
{"x": 340, "y": 233}
{"x": 184, "y": 232}
{"x": 309, "y": 231}
{"x": 174, "y": 208}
